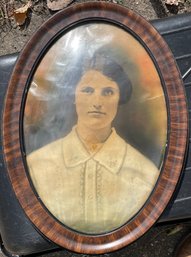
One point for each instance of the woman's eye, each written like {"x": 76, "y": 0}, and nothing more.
{"x": 107, "y": 92}
{"x": 87, "y": 90}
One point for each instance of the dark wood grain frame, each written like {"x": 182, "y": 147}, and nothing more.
{"x": 177, "y": 127}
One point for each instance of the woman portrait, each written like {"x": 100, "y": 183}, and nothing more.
{"x": 91, "y": 178}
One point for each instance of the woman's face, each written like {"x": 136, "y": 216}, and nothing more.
{"x": 97, "y": 98}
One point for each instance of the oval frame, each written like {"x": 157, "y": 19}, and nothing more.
{"x": 177, "y": 128}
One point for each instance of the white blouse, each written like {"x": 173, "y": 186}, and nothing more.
{"x": 92, "y": 193}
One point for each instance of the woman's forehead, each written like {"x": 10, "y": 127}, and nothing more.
{"x": 95, "y": 78}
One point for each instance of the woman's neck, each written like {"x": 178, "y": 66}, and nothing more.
{"x": 93, "y": 136}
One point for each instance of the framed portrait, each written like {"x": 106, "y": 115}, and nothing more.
{"x": 95, "y": 127}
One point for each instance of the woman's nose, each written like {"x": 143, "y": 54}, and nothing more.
{"x": 97, "y": 106}
{"x": 97, "y": 101}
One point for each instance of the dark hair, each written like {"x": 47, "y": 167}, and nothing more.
{"x": 101, "y": 61}
{"x": 110, "y": 68}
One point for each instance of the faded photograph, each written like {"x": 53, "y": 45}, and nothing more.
{"x": 95, "y": 127}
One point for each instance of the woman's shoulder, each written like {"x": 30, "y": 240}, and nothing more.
{"x": 46, "y": 152}
{"x": 45, "y": 161}
{"x": 134, "y": 156}
{"x": 50, "y": 154}
{"x": 139, "y": 166}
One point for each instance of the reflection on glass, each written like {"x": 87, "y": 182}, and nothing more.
{"x": 95, "y": 128}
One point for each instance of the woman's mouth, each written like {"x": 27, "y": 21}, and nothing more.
{"x": 96, "y": 113}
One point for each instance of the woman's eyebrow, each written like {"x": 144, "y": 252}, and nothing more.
{"x": 84, "y": 87}
{"x": 110, "y": 87}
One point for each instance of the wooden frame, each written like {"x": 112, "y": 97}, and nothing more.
{"x": 14, "y": 153}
